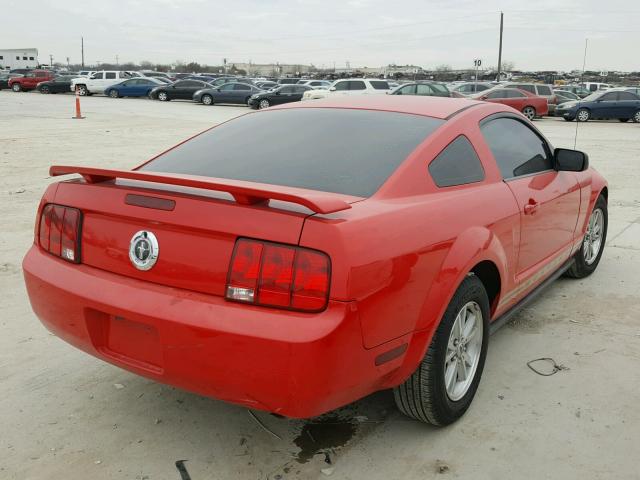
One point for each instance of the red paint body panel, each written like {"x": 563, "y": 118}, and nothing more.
{"x": 396, "y": 260}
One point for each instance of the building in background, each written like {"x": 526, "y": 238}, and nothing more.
{"x": 272, "y": 69}
{"x": 18, "y": 58}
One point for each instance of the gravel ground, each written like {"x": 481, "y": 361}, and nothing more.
{"x": 64, "y": 414}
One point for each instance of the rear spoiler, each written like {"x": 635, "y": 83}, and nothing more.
{"x": 245, "y": 193}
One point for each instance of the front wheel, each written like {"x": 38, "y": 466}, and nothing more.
{"x": 264, "y": 103}
{"x": 16, "y": 87}
{"x": 529, "y": 112}
{"x": 583, "y": 115}
{"x": 82, "y": 90}
{"x": 207, "y": 99}
{"x": 114, "y": 93}
{"x": 45, "y": 90}
{"x": 444, "y": 384}
{"x": 588, "y": 257}
{"x": 636, "y": 117}
{"x": 163, "y": 97}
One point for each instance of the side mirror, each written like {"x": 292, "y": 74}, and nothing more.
{"x": 332, "y": 89}
{"x": 570, "y": 160}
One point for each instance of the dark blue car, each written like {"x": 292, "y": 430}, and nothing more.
{"x": 133, "y": 87}
{"x": 603, "y": 105}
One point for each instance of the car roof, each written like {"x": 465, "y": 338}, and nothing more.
{"x": 436, "y": 107}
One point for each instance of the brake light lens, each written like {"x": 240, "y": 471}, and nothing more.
{"x": 276, "y": 275}
{"x": 59, "y": 231}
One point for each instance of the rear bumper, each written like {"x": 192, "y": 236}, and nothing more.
{"x": 295, "y": 364}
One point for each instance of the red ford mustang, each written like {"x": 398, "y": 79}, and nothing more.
{"x": 301, "y": 257}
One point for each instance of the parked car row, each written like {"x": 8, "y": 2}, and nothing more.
{"x": 531, "y": 99}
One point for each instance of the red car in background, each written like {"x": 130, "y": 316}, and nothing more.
{"x": 530, "y": 105}
{"x": 375, "y": 245}
{"x": 30, "y": 80}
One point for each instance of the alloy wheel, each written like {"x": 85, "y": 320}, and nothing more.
{"x": 636, "y": 117}
{"x": 162, "y": 96}
{"x": 113, "y": 94}
{"x": 529, "y": 112}
{"x": 593, "y": 238}
{"x": 207, "y": 100}
{"x": 264, "y": 104}
{"x": 583, "y": 115}
{"x": 463, "y": 351}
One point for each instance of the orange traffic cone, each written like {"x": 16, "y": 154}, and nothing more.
{"x": 78, "y": 114}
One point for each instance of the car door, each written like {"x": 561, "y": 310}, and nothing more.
{"x": 184, "y": 90}
{"x": 627, "y": 105}
{"x": 605, "y": 106}
{"x": 283, "y": 95}
{"x": 241, "y": 91}
{"x": 224, "y": 93}
{"x": 549, "y": 200}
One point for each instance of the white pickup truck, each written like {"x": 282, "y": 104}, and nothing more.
{"x": 350, "y": 86}
{"x": 99, "y": 81}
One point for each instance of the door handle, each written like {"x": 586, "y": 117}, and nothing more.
{"x": 531, "y": 207}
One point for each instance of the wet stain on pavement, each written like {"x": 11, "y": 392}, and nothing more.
{"x": 324, "y": 434}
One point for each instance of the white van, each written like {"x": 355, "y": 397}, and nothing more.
{"x": 595, "y": 86}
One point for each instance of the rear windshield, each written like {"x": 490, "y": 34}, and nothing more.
{"x": 331, "y": 150}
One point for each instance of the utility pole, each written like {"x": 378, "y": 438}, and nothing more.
{"x": 50, "y": 61}
{"x": 82, "y": 49}
{"x": 117, "y": 60}
{"x": 500, "y": 47}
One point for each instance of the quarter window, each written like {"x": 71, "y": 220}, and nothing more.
{"x": 379, "y": 85}
{"x": 424, "y": 90}
{"x": 457, "y": 164}
{"x": 518, "y": 150}
{"x": 357, "y": 85}
{"x": 544, "y": 90}
{"x": 110, "y": 75}
{"x": 626, "y": 96}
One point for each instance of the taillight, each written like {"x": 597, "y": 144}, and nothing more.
{"x": 59, "y": 231}
{"x": 275, "y": 275}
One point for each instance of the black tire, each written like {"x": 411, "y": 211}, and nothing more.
{"x": 114, "y": 93}
{"x": 636, "y": 117}
{"x": 45, "y": 90}
{"x": 16, "y": 87}
{"x": 423, "y": 395}
{"x": 583, "y": 115}
{"x": 580, "y": 267}
{"x": 623, "y": 120}
{"x": 82, "y": 90}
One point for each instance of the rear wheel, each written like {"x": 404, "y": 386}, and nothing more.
{"x": 264, "y": 103}
{"x": 114, "y": 93}
{"x": 636, "y": 117}
{"x": 529, "y": 112}
{"x": 444, "y": 384}
{"x": 207, "y": 99}
{"x": 16, "y": 87}
{"x": 163, "y": 97}
{"x": 44, "y": 89}
{"x": 583, "y": 115}
{"x": 588, "y": 257}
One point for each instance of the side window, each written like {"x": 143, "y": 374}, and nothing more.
{"x": 457, "y": 164}
{"x": 544, "y": 90}
{"x": 379, "y": 85}
{"x": 527, "y": 88}
{"x": 497, "y": 94}
{"x": 422, "y": 89}
{"x": 357, "y": 85}
{"x": 241, "y": 86}
{"x": 408, "y": 90}
{"x": 97, "y": 76}
{"x": 41, "y": 74}
{"x": 110, "y": 75}
{"x": 626, "y": 96}
{"x": 227, "y": 87}
{"x": 286, "y": 89}
{"x": 342, "y": 86}
{"x": 608, "y": 97}
{"x": 515, "y": 94}
{"x": 518, "y": 150}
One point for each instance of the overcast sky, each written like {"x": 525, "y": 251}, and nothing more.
{"x": 544, "y": 34}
